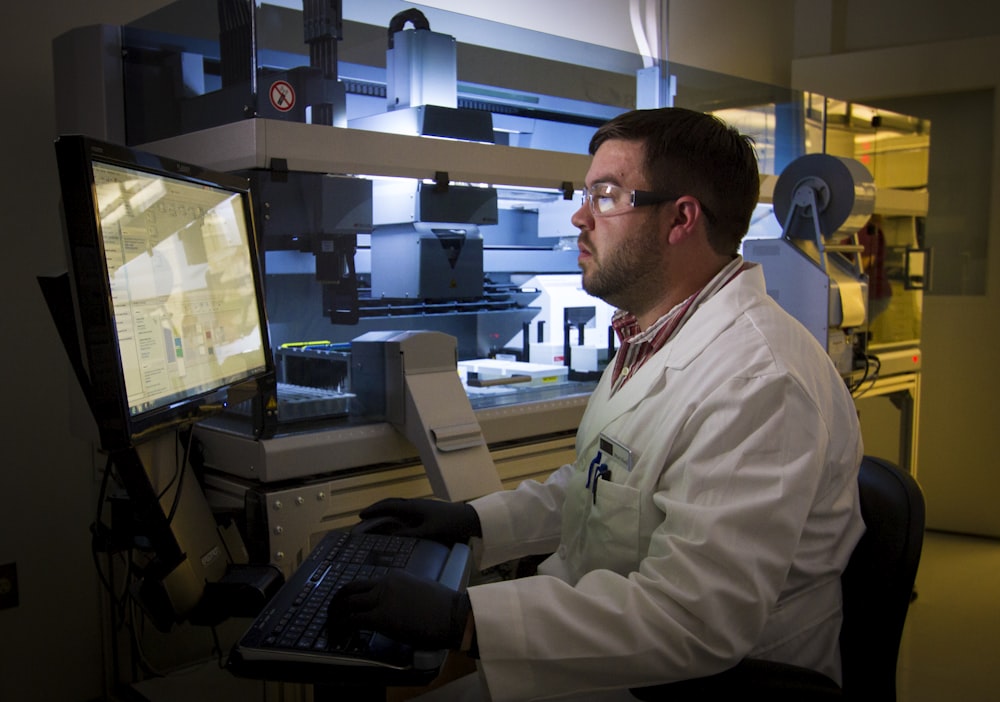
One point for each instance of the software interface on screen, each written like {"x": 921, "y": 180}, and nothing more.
{"x": 181, "y": 285}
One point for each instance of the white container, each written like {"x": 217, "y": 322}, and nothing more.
{"x": 487, "y": 372}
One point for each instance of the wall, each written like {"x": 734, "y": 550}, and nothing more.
{"x": 746, "y": 39}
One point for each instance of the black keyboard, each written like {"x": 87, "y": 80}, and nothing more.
{"x": 303, "y": 625}
{"x": 289, "y": 640}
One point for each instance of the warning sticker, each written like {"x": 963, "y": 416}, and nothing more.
{"x": 282, "y": 95}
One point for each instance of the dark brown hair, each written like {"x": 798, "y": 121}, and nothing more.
{"x": 693, "y": 153}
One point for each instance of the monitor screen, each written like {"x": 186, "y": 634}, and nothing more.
{"x": 166, "y": 280}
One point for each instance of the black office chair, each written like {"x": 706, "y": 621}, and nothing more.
{"x": 878, "y": 587}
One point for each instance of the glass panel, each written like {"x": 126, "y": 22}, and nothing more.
{"x": 959, "y": 182}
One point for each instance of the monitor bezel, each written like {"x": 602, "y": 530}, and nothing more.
{"x": 91, "y": 293}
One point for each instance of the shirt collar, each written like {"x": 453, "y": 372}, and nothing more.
{"x": 626, "y": 325}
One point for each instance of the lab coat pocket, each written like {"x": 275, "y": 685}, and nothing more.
{"x": 613, "y": 528}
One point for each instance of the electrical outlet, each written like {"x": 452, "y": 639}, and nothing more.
{"x": 8, "y": 585}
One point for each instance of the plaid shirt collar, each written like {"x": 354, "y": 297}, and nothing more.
{"x": 638, "y": 346}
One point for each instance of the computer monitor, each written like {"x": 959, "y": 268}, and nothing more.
{"x": 167, "y": 287}
{"x": 165, "y": 326}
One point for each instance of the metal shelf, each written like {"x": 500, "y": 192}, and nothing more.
{"x": 256, "y": 143}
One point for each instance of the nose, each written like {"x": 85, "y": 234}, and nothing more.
{"x": 583, "y": 218}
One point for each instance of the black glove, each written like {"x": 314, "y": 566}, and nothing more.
{"x": 421, "y": 613}
{"x": 446, "y": 522}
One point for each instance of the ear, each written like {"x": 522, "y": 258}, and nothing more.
{"x": 686, "y": 219}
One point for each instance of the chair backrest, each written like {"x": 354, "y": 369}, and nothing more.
{"x": 878, "y": 581}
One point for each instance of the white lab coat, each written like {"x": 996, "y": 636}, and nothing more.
{"x": 726, "y": 538}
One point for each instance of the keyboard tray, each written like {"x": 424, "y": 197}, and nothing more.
{"x": 288, "y": 640}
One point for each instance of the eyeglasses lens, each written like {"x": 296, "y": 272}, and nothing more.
{"x": 605, "y": 198}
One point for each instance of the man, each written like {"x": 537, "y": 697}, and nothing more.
{"x": 713, "y": 503}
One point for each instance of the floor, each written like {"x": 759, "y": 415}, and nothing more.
{"x": 951, "y": 643}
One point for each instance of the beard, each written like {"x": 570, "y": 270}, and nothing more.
{"x": 624, "y": 276}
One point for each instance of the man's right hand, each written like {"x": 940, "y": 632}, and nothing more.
{"x": 445, "y": 522}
